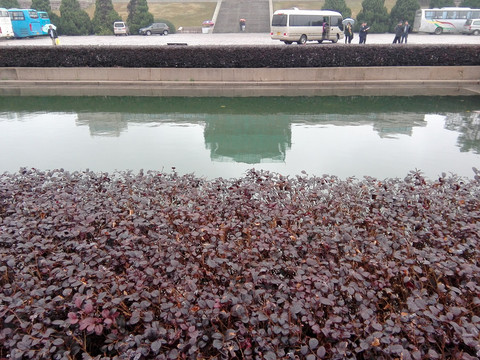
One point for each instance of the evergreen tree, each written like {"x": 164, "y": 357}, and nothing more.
{"x": 73, "y": 20}
{"x": 375, "y": 14}
{"x": 41, "y": 5}
{"x": 403, "y": 10}
{"x": 104, "y": 17}
{"x": 441, "y": 3}
{"x": 9, "y": 4}
{"x": 338, "y": 5}
{"x": 474, "y": 4}
{"x": 138, "y": 15}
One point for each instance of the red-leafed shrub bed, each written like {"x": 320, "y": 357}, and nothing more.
{"x": 154, "y": 265}
{"x": 240, "y": 56}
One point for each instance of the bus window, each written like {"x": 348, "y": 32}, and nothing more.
{"x": 450, "y": 15}
{"x": 299, "y": 20}
{"x": 439, "y": 15}
{"x": 475, "y": 14}
{"x": 337, "y": 21}
{"x": 33, "y": 14}
{"x": 462, "y": 14}
{"x": 17, "y": 15}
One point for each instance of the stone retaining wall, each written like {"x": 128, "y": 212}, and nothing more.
{"x": 400, "y": 81}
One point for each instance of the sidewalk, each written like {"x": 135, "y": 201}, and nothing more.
{"x": 229, "y": 39}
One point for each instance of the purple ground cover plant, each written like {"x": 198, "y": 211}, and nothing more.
{"x": 154, "y": 265}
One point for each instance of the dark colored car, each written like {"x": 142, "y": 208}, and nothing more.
{"x": 155, "y": 28}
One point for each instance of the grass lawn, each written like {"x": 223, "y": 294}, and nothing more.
{"x": 179, "y": 14}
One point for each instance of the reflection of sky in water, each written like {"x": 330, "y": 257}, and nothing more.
{"x": 212, "y": 145}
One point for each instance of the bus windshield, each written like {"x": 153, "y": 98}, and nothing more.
{"x": 279, "y": 20}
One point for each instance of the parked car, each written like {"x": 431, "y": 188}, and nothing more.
{"x": 155, "y": 28}
{"x": 472, "y": 26}
{"x": 120, "y": 28}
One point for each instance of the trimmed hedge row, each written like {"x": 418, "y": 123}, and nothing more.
{"x": 241, "y": 56}
{"x": 157, "y": 266}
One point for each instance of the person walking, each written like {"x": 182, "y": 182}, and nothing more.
{"x": 362, "y": 34}
{"x": 348, "y": 33}
{"x": 53, "y": 35}
{"x": 398, "y": 33}
{"x": 406, "y": 30}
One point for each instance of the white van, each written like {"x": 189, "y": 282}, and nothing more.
{"x": 120, "y": 28}
{"x": 294, "y": 25}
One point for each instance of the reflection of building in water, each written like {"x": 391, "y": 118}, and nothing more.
{"x": 103, "y": 124}
{"x": 251, "y": 138}
{"x": 247, "y": 138}
{"x": 385, "y": 124}
{"x": 113, "y": 124}
{"x": 468, "y": 127}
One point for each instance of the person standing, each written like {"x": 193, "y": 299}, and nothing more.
{"x": 53, "y": 34}
{"x": 242, "y": 24}
{"x": 398, "y": 33}
{"x": 362, "y": 34}
{"x": 348, "y": 33}
{"x": 406, "y": 30}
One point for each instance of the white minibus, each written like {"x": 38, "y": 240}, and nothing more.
{"x": 300, "y": 26}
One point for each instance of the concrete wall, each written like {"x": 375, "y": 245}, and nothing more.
{"x": 399, "y": 81}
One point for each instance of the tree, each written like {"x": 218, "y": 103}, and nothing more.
{"x": 41, "y": 5}
{"x": 9, "y": 4}
{"x": 403, "y": 10}
{"x": 474, "y": 4}
{"x": 138, "y": 15}
{"x": 73, "y": 20}
{"x": 375, "y": 14}
{"x": 441, "y": 3}
{"x": 104, "y": 17}
{"x": 338, "y": 5}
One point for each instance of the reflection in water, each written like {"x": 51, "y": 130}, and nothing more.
{"x": 382, "y": 137}
{"x": 248, "y": 139}
{"x": 468, "y": 127}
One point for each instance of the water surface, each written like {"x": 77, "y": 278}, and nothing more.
{"x": 224, "y": 137}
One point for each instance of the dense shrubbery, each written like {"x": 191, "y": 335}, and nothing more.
{"x": 241, "y": 56}
{"x": 154, "y": 265}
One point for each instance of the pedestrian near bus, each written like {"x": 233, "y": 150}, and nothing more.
{"x": 398, "y": 33}
{"x": 406, "y": 30}
{"x": 53, "y": 35}
{"x": 348, "y": 33}
{"x": 362, "y": 34}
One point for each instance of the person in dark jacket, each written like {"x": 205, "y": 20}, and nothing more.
{"x": 398, "y": 33}
{"x": 362, "y": 34}
{"x": 348, "y": 33}
{"x": 406, "y": 30}
{"x": 53, "y": 35}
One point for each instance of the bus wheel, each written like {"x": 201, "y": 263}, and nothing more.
{"x": 438, "y": 30}
{"x": 303, "y": 40}
{"x": 320, "y": 41}
{"x": 288, "y": 42}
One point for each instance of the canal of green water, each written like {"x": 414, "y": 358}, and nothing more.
{"x": 225, "y": 137}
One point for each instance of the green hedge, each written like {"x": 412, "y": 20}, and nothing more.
{"x": 240, "y": 56}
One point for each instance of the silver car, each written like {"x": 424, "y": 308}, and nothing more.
{"x": 155, "y": 28}
{"x": 472, "y": 26}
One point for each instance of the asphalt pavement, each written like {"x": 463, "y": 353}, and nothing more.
{"x": 228, "y": 39}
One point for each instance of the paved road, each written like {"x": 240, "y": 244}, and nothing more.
{"x": 227, "y": 39}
